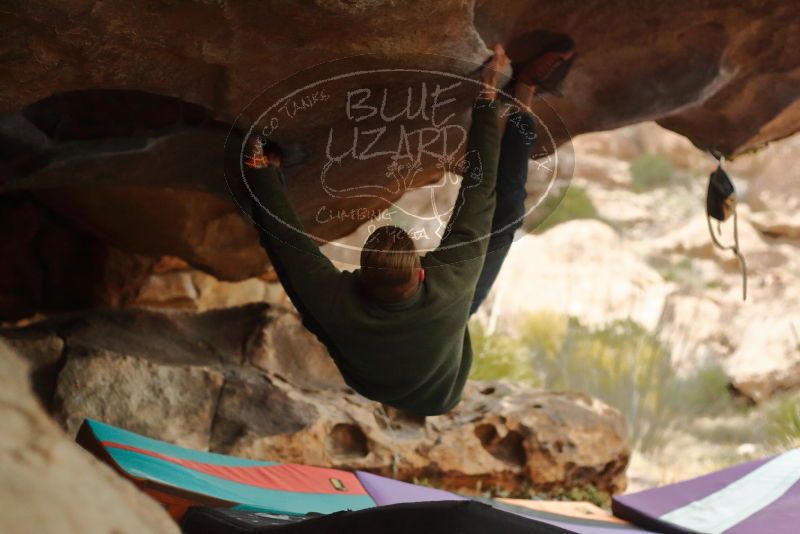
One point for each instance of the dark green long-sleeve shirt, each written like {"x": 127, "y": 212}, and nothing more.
{"x": 414, "y": 355}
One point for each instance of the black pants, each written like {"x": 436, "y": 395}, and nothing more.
{"x": 512, "y": 173}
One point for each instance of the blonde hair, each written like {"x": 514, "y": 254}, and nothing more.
{"x": 389, "y": 264}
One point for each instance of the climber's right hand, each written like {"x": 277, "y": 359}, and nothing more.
{"x": 492, "y": 71}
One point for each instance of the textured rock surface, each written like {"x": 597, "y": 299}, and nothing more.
{"x": 502, "y": 436}
{"x": 188, "y": 288}
{"x": 49, "y": 484}
{"x": 699, "y": 68}
{"x": 265, "y": 388}
{"x": 774, "y": 192}
{"x": 107, "y": 386}
{"x": 699, "y": 64}
{"x": 44, "y": 352}
{"x": 49, "y": 264}
{"x": 581, "y": 268}
{"x": 756, "y": 342}
{"x": 141, "y": 95}
{"x": 652, "y": 259}
{"x": 766, "y": 340}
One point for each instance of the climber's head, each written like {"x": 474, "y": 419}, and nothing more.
{"x": 390, "y": 266}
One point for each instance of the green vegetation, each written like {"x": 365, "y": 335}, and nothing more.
{"x": 784, "y": 423}
{"x": 620, "y": 363}
{"x": 500, "y": 356}
{"x": 556, "y": 209}
{"x": 651, "y": 171}
{"x": 768, "y": 428}
{"x": 715, "y": 284}
{"x": 588, "y": 493}
{"x": 682, "y": 272}
{"x": 706, "y": 392}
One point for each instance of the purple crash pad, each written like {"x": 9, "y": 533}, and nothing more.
{"x": 755, "y": 497}
{"x": 386, "y": 491}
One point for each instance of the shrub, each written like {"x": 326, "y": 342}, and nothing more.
{"x": 706, "y": 391}
{"x": 650, "y": 171}
{"x": 499, "y": 356}
{"x": 681, "y": 272}
{"x": 784, "y": 423}
{"x": 575, "y": 203}
{"x": 589, "y": 493}
{"x": 621, "y": 363}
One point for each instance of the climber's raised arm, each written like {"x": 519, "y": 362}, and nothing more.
{"x": 306, "y": 274}
{"x": 467, "y": 233}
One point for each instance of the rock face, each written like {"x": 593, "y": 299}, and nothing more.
{"x": 581, "y": 268}
{"x": 652, "y": 259}
{"x": 117, "y": 114}
{"x": 49, "y": 484}
{"x": 258, "y": 385}
{"x": 693, "y": 66}
{"x": 112, "y": 386}
{"x": 699, "y": 66}
{"x": 756, "y": 342}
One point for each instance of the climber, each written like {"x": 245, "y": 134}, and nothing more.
{"x": 397, "y": 328}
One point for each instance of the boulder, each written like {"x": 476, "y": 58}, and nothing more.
{"x": 778, "y": 224}
{"x": 766, "y": 337}
{"x": 691, "y": 326}
{"x": 171, "y": 290}
{"x": 44, "y": 352}
{"x": 502, "y": 437}
{"x": 285, "y": 349}
{"x": 49, "y": 484}
{"x": 259, "y": 385}
{"x": 177, "y": 401}
{"x": 692, "y": 240}
{"x": 581, "y": 268}
{"x": 194, "y": 289}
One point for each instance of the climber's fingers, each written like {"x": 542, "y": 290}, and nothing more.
{"x": 500, "y": 58}
{"x": 253, "y": 153}
{"x": 493, "y": 70}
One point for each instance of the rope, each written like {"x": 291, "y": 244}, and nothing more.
{"x": 734, "y": 248}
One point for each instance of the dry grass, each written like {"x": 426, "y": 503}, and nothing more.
{"x": 621, "y": 363}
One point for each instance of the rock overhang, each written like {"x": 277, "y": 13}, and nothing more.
{"x": 179, "y": 76}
